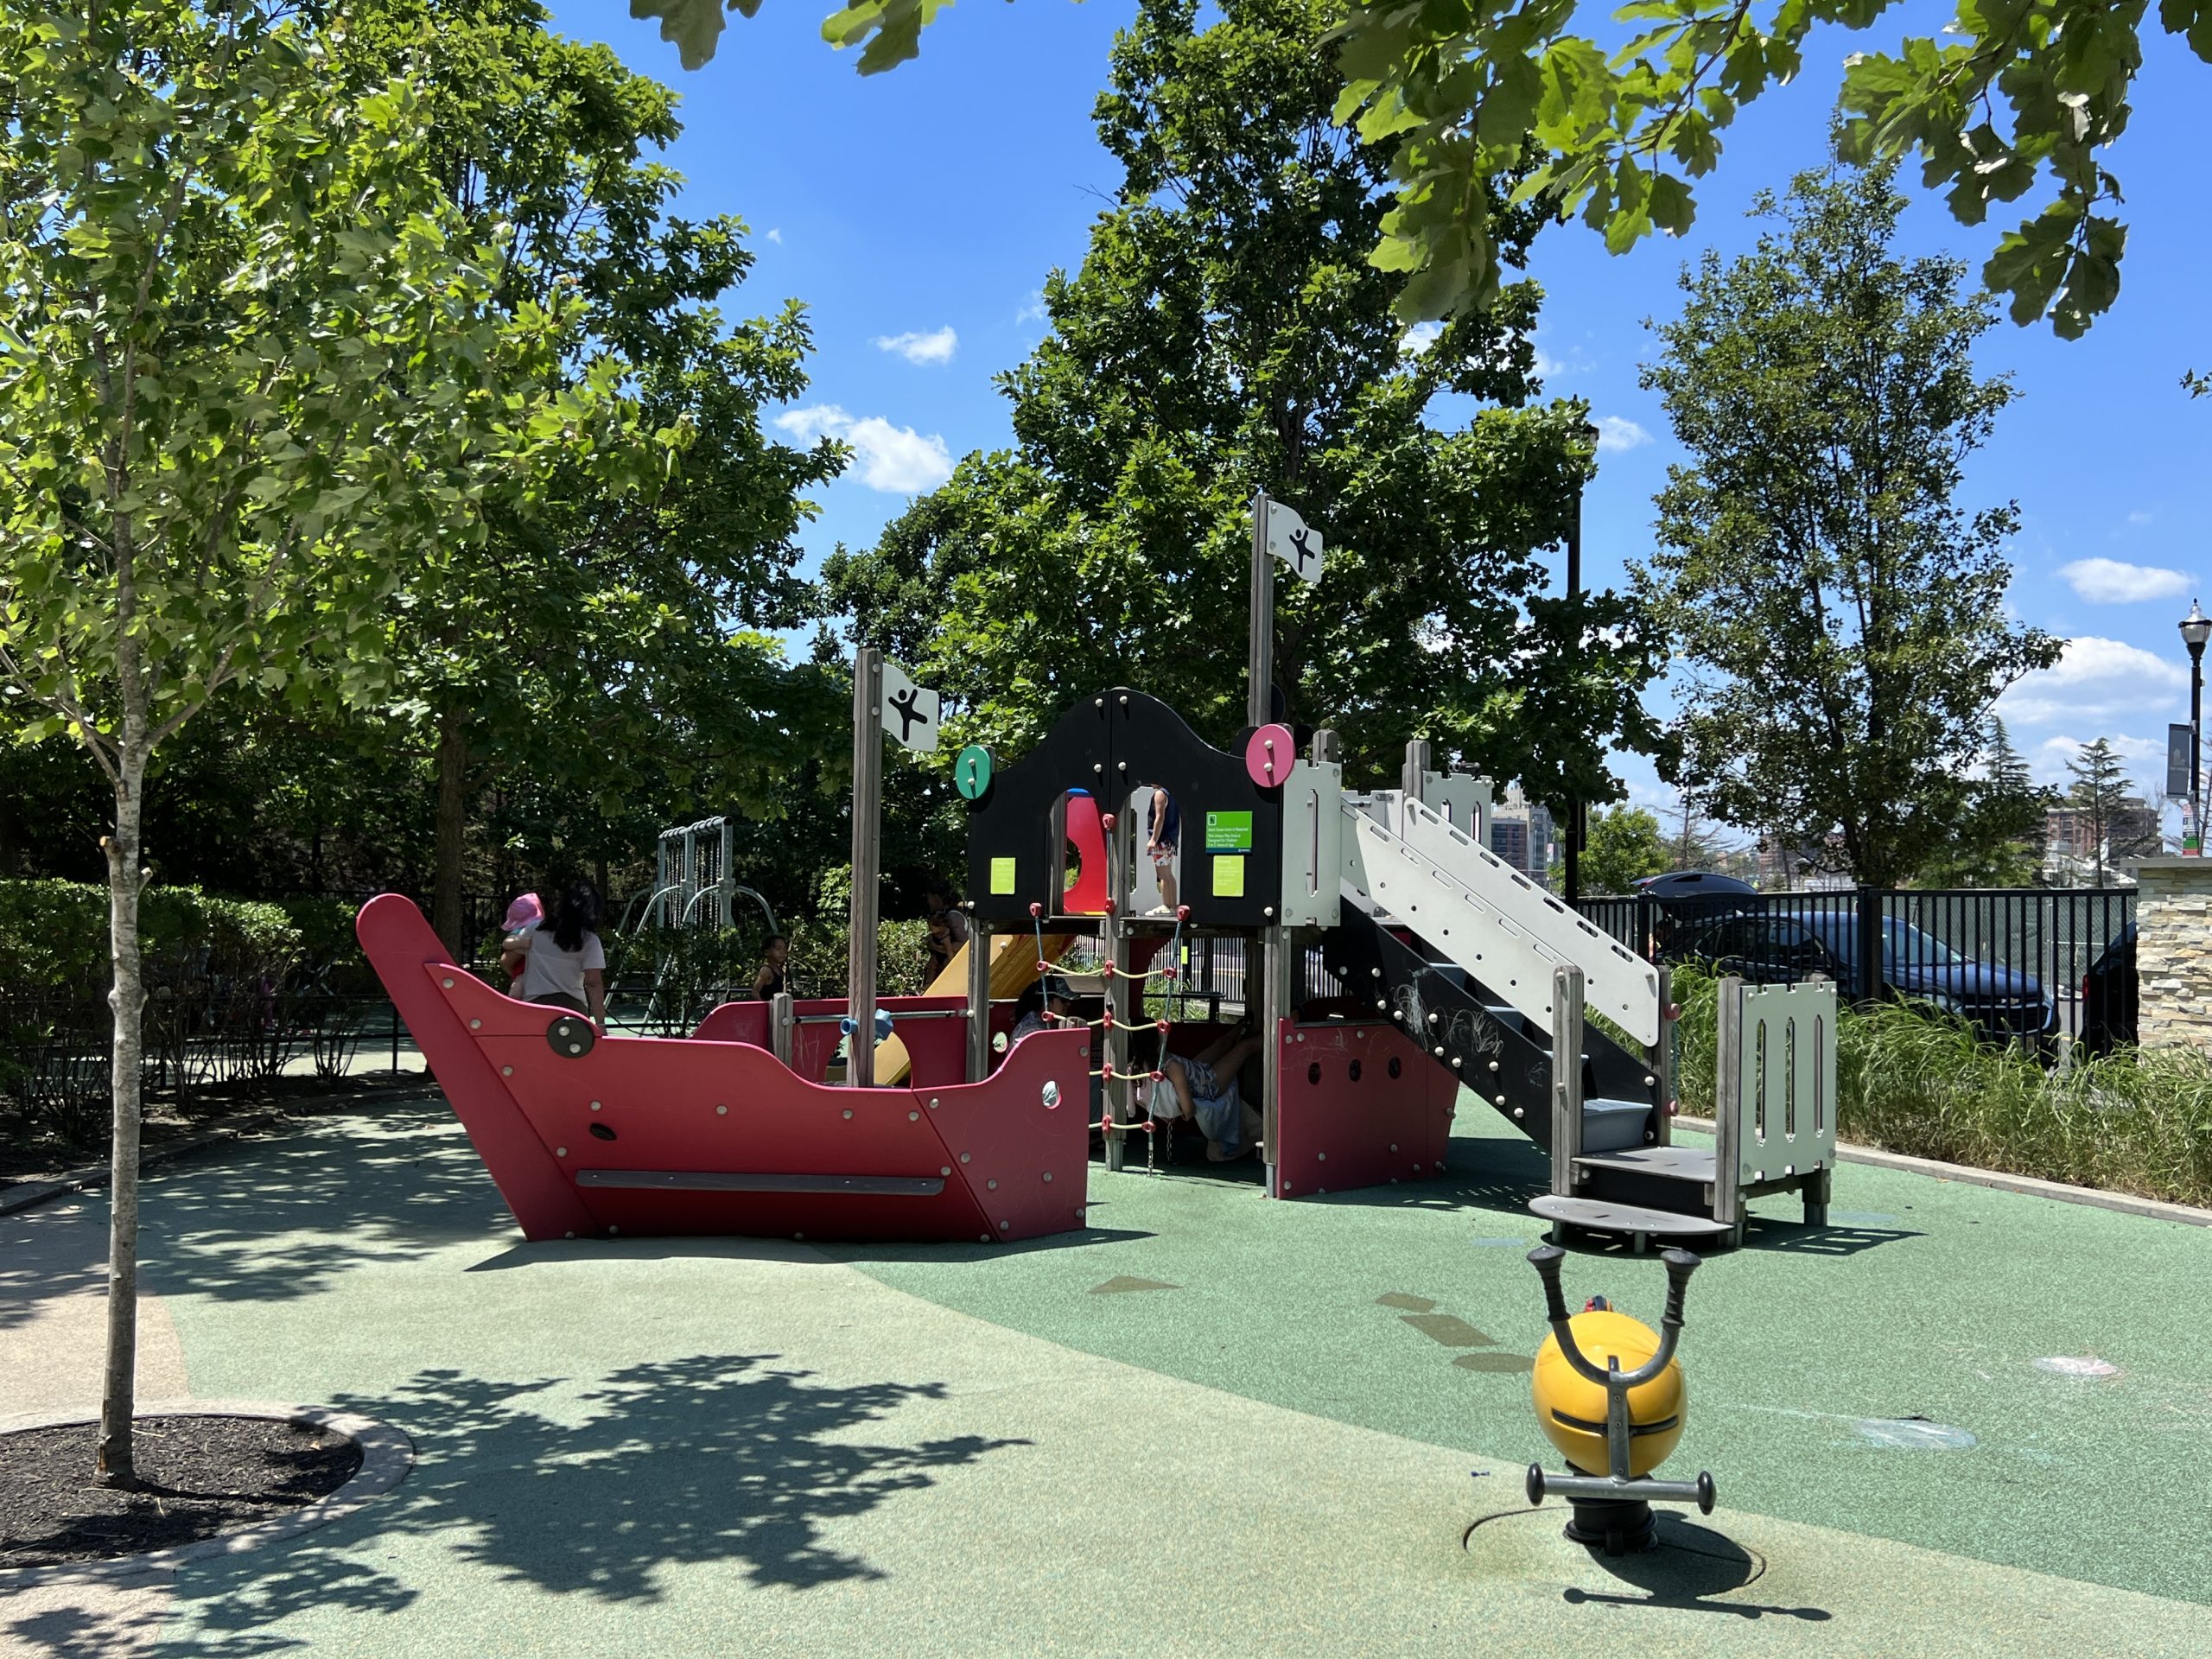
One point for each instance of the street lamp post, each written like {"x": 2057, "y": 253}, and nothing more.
{"x": 1575, "y": 824}
{"x": 2196, "y": 629}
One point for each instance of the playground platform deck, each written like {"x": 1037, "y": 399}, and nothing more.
{"x": 1211, "y": 1425}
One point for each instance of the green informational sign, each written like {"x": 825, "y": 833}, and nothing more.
{"x": 1228, "y": 876}
{"x": 1001, "y": 876}
{"x": 1228, "y": 832}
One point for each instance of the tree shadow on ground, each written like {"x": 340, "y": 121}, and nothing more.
{"x": 715, "y": 1459}
{"x": 278, "y": 1219}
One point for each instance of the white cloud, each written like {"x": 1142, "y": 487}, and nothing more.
{"x": 1419, "y": 338}
{"x": 2139, "y": 755}
{"x": 934, "y": 348}
{"x": 894, "y": 458}
{"x": 1034, "y": 310}
{"x": 2139, "y": 517}
{"x": 1616, "y": 433}
{"x": 2096, "y": 679}
{"x": 776, "y": 237}
{"x": 2109, "y": 582}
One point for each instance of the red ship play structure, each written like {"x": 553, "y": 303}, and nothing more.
{"x": 1392, "y": 959}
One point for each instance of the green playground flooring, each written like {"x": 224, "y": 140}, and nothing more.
{"x": 1209, "y": 1425}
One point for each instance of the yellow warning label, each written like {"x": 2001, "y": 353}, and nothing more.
{"x": 1229, "y": 875}
{"x": 1001, "y": 876}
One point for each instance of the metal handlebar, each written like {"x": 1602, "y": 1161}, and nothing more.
{"x": 1680, "y": 1265}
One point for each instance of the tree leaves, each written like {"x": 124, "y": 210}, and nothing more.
{"x": 1840, "y": 620}
{"x": 1473, "y": 92}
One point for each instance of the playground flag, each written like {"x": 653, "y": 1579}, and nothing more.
{"x": 1289, "y": 540}
{"x": 909, "y": 711}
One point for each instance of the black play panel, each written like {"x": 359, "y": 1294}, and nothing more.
{"x": 1109, "y": 744}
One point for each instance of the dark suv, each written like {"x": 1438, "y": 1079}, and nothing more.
{"x": 1777, "y": 946}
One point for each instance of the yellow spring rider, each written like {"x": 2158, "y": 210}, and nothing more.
{"x": 1622, "y": 1412}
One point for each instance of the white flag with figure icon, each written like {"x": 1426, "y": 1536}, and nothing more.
{"x": 909, "y": 710}
{"x": 1289, "y": 540}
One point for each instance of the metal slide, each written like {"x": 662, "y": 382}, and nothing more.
{"x": 1403, "y": 858}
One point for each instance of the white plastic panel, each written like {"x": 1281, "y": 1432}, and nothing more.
{"x": 1313, "y": 844}
{"x": 1786, "y": 1116}
{"x": 1487, "y": 917}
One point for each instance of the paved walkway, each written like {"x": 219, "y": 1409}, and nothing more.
{"x": 1212, "y": 1425}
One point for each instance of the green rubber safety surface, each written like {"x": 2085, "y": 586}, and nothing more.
{"x": 1973, "y": 1371}
{"x": 1211, "y": 1425}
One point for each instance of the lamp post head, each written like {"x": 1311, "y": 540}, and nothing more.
{"x": 2196, "y": 629}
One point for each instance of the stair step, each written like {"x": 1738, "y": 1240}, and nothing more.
{"x": 1599, "y": 1216}
{"x": 1691, "y": 1164}
{"x": 1614, "y": 1125}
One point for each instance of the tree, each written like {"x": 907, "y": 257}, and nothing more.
{"x": 1625, "y": 846}
{"x": 1470, "y": 95}
{"x": 1224, "y": 335}
{"x": 2099, "y": 794}
{"x": 580, "y": 667}
{"x": 1842, "y": 620}
{"x": 1998, "y": 839}
{"x": 248, "y": 370}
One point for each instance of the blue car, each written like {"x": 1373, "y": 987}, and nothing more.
{"x": 1773, "y": 946}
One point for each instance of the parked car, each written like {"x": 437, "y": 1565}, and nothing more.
{"x": 1778, "y": 946}
{"x": 2108, "y": 997}
{"x": 1683, "y": 899}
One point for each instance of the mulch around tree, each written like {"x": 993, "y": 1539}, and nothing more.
{"x": 204, "y": 1476}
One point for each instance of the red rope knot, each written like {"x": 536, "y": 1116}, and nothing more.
{"x": 1168, "y": 973}
{"x": 1159, "y": 1077}
{"x": 1108, "y": 1022}
{"x": 1044, "y": 967}
{"x": 1113, "y": 907}
{"x": 1036, "y": 910}
{"x": 1107, "y": 1072}
{"x": 1160, "y": 1025}
{"x": 1106, "y": 972}
{"x": 1106, "y": 822}
{"x": 1182, "y": 912}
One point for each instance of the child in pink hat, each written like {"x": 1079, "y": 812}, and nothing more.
{"x": 527, "y": 911}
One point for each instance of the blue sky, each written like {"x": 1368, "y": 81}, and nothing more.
{"x": 916, "y": 214}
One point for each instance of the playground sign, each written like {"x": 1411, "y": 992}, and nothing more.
{"x": 1228, "y": 832}
{"x": 910, "y": 711}
{"x": 1289, "y": 540}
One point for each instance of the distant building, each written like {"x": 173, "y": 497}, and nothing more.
{"x": 1522, "y": 833}
{"x": 2070, "y": 845}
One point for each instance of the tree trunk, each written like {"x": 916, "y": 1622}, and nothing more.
{"x": 118, "y": 1391}
{"x": 452, "y": 830}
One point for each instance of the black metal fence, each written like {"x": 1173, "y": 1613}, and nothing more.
{"x": 1999, "y": 949}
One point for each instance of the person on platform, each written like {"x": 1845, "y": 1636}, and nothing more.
{"x": 774, "y": 975}
{"x": 1163, "y": 838}
{"x": 563, "y": 965}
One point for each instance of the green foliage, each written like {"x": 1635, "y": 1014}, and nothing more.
{"x": 1625, "y": 845}
{"x": 2134, "y": 1121}
{"x": 54, "y": 935}
{"x": 2015, "y": 98}
{"x": 1843, "y": 621}
{"x": 2099, "y": 792}
{"x": 1226, "y": 334}
{"x": 1999, "y": 842}
{"x": 250, "y": 369}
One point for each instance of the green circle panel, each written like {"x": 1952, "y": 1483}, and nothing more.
{"x": 971, "y": 773}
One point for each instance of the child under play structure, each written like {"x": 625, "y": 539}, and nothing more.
{"x": 1203, "y": 1090}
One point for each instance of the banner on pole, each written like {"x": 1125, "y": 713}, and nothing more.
{"x": 2178, "y": 749}
{"x": 910, "y": 711}
{"x": 1289, "y": 540}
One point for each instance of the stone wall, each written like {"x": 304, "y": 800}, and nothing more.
{"x": 2173, "y": 952}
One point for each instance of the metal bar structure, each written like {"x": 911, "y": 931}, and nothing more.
{"x": 780, "y": 1025}
{"x": 1661, "y": 1057}
{"x": 1114, "y": 940}
{"x": 1413, "y": 777}
{"x": 868, "y": 853}
{"x": 1261, "y": 665}
{"x": 1567, "y": 1077}
{"x": 1727, "y": 1096}
{"x": 979, "y": 1000}
{"x": 1267, "y": 1019}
